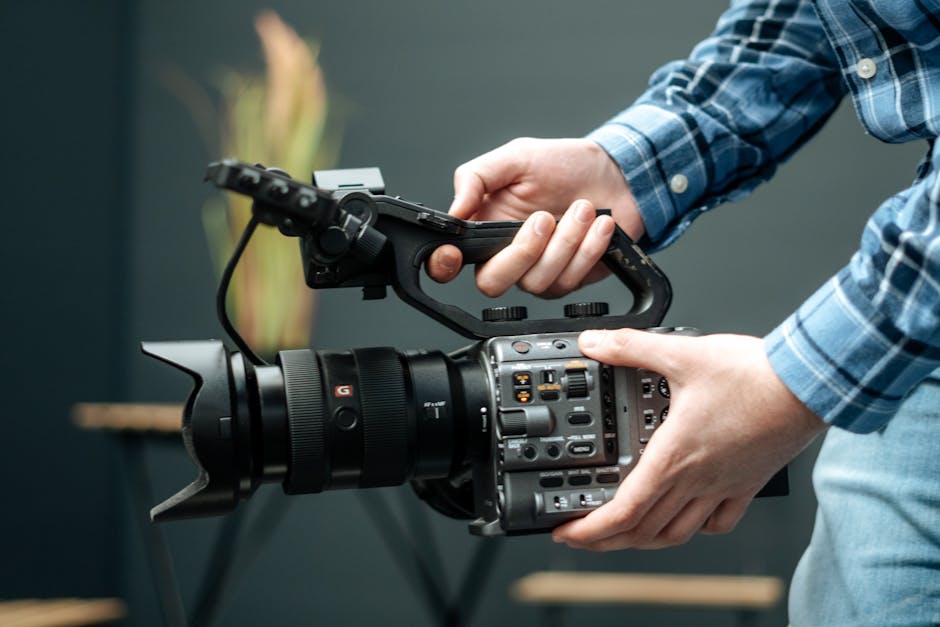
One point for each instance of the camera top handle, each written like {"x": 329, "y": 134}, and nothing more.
{"x": 353, "y": 235}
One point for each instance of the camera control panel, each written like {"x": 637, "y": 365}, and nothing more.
{"x": 568, "y": 429}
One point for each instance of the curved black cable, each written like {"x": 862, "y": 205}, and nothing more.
{"x": 222, "y": 293}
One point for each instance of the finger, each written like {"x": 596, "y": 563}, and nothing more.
{"x": 679, "y": 530}
{"x": 561, "y": 248}
{"x": 684, "y": 525}
{"x": 484, "y": 175}
{"x": 726, "y": 516}
{"x": 581, "y": 269}
{"x": 645, "y": 533}
{"x": 444, "y": 263}
{"x": 508, "y": 265}
{"x": 642, "y": 349}
{"x": 637, "y": 494}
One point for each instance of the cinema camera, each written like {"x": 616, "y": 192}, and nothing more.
{"x": 518, "y": 431}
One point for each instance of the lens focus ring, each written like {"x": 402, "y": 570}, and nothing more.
{"x": 386, "y": 456}
{"x": 303, "y": 389}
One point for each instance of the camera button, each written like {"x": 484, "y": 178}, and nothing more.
{"x": 579, "y": 418}
{"x": 346, "y": 418}
{"x": 608, "y": 477}
{"x": 581, "y": 448}
{"x": 522, "y": 347}
{"x": 551, "y": 482}
{"x": 663, "y": 387}
{"x": 579, "y": 480}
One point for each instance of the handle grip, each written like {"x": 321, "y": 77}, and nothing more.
{"x": 353, "y": 236}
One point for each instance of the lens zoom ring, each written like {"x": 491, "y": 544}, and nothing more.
{"x": 304, "y": 392}
{"x": 385, "y": 459}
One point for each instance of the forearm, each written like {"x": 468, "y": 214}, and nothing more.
{"x": 856, "y": 348}
{"x": 711, "y": 128}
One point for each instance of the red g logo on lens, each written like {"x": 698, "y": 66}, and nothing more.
{"x": 342, "y": 391}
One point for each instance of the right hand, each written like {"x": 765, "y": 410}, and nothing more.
{"x": 539, "y": 181}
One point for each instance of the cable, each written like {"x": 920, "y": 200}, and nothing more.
{"x": 222, "y": 293}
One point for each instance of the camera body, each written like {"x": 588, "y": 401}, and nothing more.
{"x": 565, "y": 432}
{"x": 519, "y": 432}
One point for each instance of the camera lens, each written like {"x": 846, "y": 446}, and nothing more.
{"x": 324, "y": 420}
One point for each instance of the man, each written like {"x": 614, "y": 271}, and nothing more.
{"x": 859, "y": 355}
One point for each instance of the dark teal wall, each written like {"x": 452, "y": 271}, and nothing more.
{"x": 423, "y": 87}
{"x": 64, "y": 216}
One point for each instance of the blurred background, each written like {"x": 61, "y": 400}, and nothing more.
{"x": 104, "y": 245}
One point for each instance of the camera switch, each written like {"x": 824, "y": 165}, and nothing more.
{"x": 549, "y": 376}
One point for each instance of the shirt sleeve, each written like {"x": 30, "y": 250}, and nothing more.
{"x": 711, "y": 128}
{"x": 854, "y": 349}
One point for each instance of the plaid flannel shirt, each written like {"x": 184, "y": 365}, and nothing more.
{"x": 711, "y": 128}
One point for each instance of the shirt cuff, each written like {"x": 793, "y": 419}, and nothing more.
{"x": 846, "y": 360}
{"x": 665, "y": 171}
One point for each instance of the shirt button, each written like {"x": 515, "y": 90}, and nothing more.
{"x": 678, "y": 183}
{"x": 866, "y": 68}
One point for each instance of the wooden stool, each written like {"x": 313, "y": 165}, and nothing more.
{"x": 557, "y": 589}
{"x": 60, "y": 612}
{"x": 140, "y": 417}
{"x": 131, "y": 423}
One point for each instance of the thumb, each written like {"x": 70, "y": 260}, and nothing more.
{"x": 639, "y": 349}
{"x": 484, "y": 175}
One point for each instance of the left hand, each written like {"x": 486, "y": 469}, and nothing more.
{"x": 732, "y": 424}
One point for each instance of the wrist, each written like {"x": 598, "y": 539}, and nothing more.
{"x": 622, "y": 204}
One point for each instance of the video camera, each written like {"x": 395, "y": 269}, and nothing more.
{"x": 519, "y": 431}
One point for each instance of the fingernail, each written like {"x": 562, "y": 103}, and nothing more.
{"x": 605, "y": 227}
{"x": 589, "y": 339}
{"x": 540, "y": 224}
{"x": 557, "y": 539}
{"x": 584, "y": 212}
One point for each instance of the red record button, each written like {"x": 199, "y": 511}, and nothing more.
{"x": 522, "y": 347}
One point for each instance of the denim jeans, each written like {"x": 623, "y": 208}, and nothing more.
{"x": 874, "y": 558}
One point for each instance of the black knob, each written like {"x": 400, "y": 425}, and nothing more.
{"x": 505, "y": 314}
{"x": 512, "y": 423}
{"x": 577, "y": 383}
{"x": 586, "y": 310}
{"x": 334, "y": 240}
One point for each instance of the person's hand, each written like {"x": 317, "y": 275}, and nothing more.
{"x": 539, "y": 180}
{"x": 732, "y": 424}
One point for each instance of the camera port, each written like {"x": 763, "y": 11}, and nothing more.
{"x": 553, "y": 451}
{"x": 529, "y": 452}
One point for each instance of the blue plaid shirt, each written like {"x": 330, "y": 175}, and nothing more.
{"x": 711, "y": 128}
